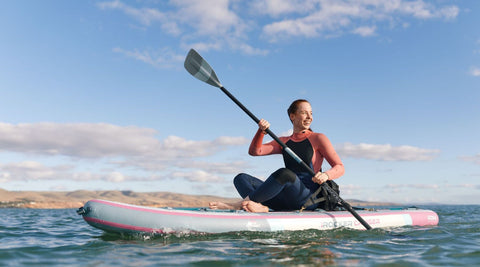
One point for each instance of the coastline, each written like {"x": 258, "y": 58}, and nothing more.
{"x": 76, "y": 199}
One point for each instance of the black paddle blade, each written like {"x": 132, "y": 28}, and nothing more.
{"x": 200, "y": 69}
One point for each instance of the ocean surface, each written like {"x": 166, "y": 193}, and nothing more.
{"x": 61, "y": 238}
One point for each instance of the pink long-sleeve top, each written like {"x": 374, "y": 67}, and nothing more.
{"x": 320, "y": 144}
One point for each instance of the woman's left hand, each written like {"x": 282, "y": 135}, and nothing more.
{"x": 320, "y": 178}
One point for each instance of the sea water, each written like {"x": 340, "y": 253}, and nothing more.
{"x": 48, "y": 237}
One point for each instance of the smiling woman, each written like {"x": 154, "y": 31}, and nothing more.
{"x": 289, "y": 188}
{"x": 298, "y": 186}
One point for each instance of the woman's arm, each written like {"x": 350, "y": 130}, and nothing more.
{"x": 326, "y": 149}
{"x": 257, "y": 148}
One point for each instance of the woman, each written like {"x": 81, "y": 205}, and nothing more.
{"x": 287, "y": 188}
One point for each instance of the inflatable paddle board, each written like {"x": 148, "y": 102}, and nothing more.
{"x": 118, "y": 217}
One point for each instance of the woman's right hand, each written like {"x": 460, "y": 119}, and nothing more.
{"x": 263, "y": 125}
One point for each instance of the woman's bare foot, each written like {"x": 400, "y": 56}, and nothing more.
{"x": 252, "y": 206}
{"x": 245, "y": 204}
{"x": 216, "y": 205}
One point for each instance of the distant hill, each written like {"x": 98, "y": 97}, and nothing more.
{"x": 76, "y": 199}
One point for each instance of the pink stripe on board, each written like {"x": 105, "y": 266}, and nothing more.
{"x": 424, "y": 218}
{"x": 122, "y": 226}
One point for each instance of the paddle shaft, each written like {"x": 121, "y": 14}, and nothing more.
{"x": 298, "y": 159}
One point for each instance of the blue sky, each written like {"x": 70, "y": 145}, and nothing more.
{"x": 93, "y": 94}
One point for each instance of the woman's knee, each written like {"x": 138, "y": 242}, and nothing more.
{"x": 284, "y": 175}
{"x": 240, "y": 178}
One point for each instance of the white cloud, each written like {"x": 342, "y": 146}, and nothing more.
{"x": 276, "y": 8}
{"x": 31, "y": 170}
{"x": 365, "y": 31}
{"x": 475, "y": 71}
{"x": 287, "y": 132}
{"x": 162, "y": 58}
{"x": 475, "y": 159}
{"x": 217, "y": 24}
{"x": 468, "y": 186}
{"x": 216, "y": 167}
{"x": 210, "y": 17}
{"x": 213, "y": 24}
{"x": 112, "y": 146}
{"x": 398, "y": 188}
{"x": 227, "y": 24}
{"x": 386, "y": 152}
{"x": 332, "y": 18}
{"x": 179, "y": 147}
{"x": 34, "y": 171}
{"x": 83, "y": 140}
{"x": 98, "y": 140}
{"x": 115, "y": 177}
{"x": 146, "y": 16}
{"x": 197, "y": 176}
{"x": 351, "y": 189}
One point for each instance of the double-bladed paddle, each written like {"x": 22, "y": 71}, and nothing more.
{"x": 200, "y": 69}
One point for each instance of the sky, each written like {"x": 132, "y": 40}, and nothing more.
{"x": 94, "y": 95}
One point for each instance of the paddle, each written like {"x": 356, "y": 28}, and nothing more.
{"x": 200, "y": 69}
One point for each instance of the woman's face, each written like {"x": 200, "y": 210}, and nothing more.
{"x": 302, "y": 118}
